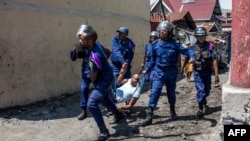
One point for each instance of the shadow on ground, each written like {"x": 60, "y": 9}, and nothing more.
{"x": 64, "y": 106}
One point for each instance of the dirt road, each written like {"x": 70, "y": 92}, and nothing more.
{"x": 55, "y": 119}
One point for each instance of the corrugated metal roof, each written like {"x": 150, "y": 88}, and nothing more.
{"x": 210, "y": 26}
{"x": 200, "y": 9}
{"x": 174, "y": 17}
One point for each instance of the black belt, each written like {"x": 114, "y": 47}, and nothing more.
{"x": 166, "y": 67}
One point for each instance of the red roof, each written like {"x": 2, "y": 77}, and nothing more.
{"x": 156, "y": 18}
{"x": 200, "y": 9}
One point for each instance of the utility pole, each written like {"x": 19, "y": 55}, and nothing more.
{"x": 162, "y": 8}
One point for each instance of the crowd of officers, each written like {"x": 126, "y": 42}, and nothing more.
{"x": 102, "y": 67}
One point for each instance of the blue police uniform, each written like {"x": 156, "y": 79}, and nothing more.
{"x": 122, "y": 52}
{"x": 203, "y": 70}
{"x": 85, "y": 80}
{"x": 164, "y": 59}
{"x": 98, "y": 63}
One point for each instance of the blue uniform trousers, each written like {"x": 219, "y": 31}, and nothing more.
{"x": 161, "y": 77}
{"x": 95, "y": 99}
{"x": 84, "y": 91}
{"x": 203, "y": 85}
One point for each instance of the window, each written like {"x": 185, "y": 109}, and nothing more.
{"x": 187, "y": 1}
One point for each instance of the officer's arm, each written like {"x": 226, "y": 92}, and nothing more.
{"x": 116, "y": 51}
{"x": 143, "y": 60}
{"x": 187, "y": 51}
{"x": 120, "y": 78}
{"x": 144, "y": 57}
{"x": 107, "y": 52}
{"x": 152, "y": 61}
{"x": 191, "y": 54}
{"x": 131, "y": 54}
{"x": 73, "y": 54}
{"x": 130, "y": 104}
{"x": 215, "y": 66}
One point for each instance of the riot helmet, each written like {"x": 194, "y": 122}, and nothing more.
{"x": 200, "y": 31}
{"x": 154, "y": 33}
{"x": 83, "y": 28}
{"x": 165, "y": 25}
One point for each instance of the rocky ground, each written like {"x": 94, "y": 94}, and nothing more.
{"x": 55, "y": 119}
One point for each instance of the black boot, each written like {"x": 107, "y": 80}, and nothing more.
{"x": 83, "y": 114}
{"x": 149, "y": 118}
{"x": 117, "y": 117}
{"x": 199, "y": 113}
{"x": 173, "y": 113}
{"x": 104, "y": 133}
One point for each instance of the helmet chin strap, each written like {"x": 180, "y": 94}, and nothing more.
{"x": 164, "y": 39}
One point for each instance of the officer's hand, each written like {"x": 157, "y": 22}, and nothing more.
{"x": 123, "y": 69}
{"x": 74, "y": 48}
{"x": 124, "y": 65}
{"x": 144, "y": 72}
{"x": 216, "y": 81}
{"x": 191, "y": 60}
{"x": 119, "y": 109}
{"x": 187, "y": 44}
{"x": 142, "y": 65}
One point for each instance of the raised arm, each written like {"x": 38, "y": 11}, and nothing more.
{"x": 120, "y": 78}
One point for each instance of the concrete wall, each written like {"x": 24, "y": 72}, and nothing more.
{"x": 36, "y": 37}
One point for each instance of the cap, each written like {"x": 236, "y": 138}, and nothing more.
{"x": 122, "y": 29}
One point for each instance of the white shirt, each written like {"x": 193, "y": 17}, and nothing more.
{"x": 127, "y": 90}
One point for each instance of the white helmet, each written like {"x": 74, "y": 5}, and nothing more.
{"x": 165, "y": 25}
{"x": 83, "y": 28}
{"x": 155, "y": 34}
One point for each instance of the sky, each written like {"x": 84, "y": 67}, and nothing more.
{"x": 224, "y": 4}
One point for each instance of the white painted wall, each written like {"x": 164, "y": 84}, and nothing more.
{"x": 37, "y": 36}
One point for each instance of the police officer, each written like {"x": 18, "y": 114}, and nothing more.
{"x": 204, "y": 62}
{"x": 80, "y": 52}
{"x": 164, "y": 59}
{"x": 101, "y": 75}
{"x": 148, "y": 53}
{"x": 149, "y": 49}
{"x": 122, "y": 52}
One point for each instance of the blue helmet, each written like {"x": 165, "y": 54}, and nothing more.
{"x": 200, "y": 31}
